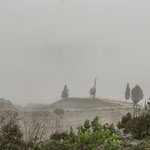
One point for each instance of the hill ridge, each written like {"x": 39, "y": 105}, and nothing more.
{"x": 87, "y": 103}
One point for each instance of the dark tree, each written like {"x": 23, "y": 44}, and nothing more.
{"x": 137, "y": 94}
{"x": 65, "y": 93}
{"x": 127, "y": 92}
{"x": 10, "y": 134}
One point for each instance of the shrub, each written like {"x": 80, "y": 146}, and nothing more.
{"x": 110, "y": 127}
{"x": 139, "y": 126}
{"x": 93, "y": 135}
{"x": 123, "y": 124}
{"x": 59, "y": 111}
{"x": 10, "y": 136}
{"x": 90, "y": 136}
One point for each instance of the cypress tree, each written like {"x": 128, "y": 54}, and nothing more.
{"x": 127, "y": 92}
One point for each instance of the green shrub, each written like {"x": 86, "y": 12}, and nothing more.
{"x": 90, "y": 136}
{"x": 59, "y": 111}
{"x": 110, "y": 127}
{"x": 139, "y": 126}
{"x": 93, "y": 135}
{"x": 123, "y": 124}
{"x": 10, "y": 137}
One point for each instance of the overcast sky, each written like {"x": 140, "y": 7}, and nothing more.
{"x": 45, "y": 44}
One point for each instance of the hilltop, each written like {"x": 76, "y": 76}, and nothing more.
{"x": 87, "y": 103}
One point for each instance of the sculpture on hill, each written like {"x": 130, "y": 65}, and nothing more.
{"x": 65, "y": 93}
{"x": 93, "y": 90}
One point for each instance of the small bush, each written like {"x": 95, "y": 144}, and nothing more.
{"x": 11, "y": 136}
{"x": 59, "y": 111}
{"x": 110, "y": 127}
{"x": 123, "y": 124}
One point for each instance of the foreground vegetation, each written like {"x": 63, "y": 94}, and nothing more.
{"x": 133, "y": 133}
{"x": 90, "y": 136}
{"x": 138, "y": 131}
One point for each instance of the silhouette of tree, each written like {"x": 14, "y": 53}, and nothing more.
{"x": 127, "y": 92}
{"x": 137, "y": 96}
{"x": 65, "y": 93}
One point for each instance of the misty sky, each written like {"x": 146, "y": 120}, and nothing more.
{"x": 45, "y": 44}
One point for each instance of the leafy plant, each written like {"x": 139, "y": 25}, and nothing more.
{"x": 93, "y": 135}
{"x": 90, "y": 136}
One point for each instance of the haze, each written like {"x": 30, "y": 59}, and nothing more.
{"x": 45, "y": 44}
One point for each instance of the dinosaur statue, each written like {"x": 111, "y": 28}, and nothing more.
{"x": 93, "y": 90}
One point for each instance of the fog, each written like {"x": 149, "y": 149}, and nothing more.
{"x": 45, "y": 44}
